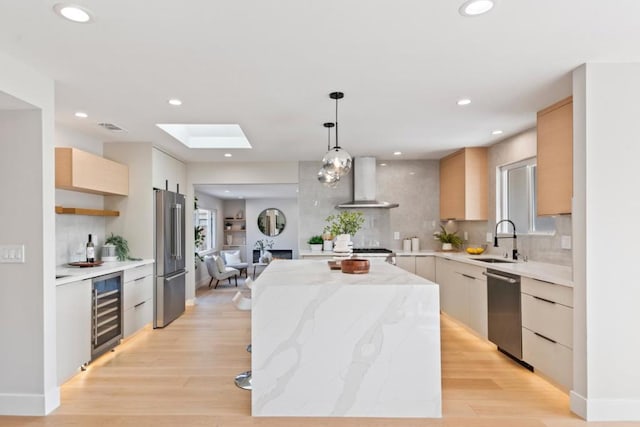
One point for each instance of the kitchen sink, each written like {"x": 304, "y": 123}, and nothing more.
{"x": 495, "y": 260}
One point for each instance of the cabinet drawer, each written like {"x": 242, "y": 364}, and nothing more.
{"x": 137, "y": 291}
{"x": 136, "y": 317}
{"x": 137, "y": 272}
{"x": 551, "y": 359}
{"x": 549, "y": 291}
{"x": 550, "y": 319}
{"x": 470, "y": 270}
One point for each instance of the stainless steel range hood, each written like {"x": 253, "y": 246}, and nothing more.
{"x": 364, "y": 186}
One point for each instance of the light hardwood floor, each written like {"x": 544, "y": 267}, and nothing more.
{"x": 183, "y": 376}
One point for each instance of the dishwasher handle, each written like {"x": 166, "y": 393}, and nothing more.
{"x": 499, "y": 277}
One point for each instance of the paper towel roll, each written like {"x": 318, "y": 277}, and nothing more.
{"x": 415, "y": 244}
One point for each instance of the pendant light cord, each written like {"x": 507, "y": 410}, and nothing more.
{"x": 337, "y": 147}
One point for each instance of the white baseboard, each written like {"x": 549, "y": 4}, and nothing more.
{"x": 605, "y": 409}
{"x": 30, "y": 404}
{"x": 190, "y": 302}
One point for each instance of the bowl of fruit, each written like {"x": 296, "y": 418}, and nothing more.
{"x": 476, "y": 249}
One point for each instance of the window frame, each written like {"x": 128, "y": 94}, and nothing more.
{"x": 210, "y": 229}
{"x": 502, "y": 203}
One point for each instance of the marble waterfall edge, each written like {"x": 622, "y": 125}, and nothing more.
{"x": 330, "y": 344}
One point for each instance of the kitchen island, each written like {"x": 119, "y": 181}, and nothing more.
{"x": 325, "y": 343}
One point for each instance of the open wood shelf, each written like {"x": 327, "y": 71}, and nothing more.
{"x": 82, "y": 211}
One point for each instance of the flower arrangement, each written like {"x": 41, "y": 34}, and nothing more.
{"x": 346, "y": 222}
{"x": 263, "y": 244}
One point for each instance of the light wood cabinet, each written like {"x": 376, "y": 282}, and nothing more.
{"x": 555, "y": 158}
{"x": 78, "y": 170}
{"x": 547, "y": 329}
{"x": 407, "y": 263}
{"x": 463, "y": 185}
{"x": 73, "y": 328}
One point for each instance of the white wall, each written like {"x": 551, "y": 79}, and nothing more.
{"x": 230, "y": 173}
{"x": 288, "y": 239}
{"x": 606, "y": 208}
{"x": 27, "y": 291}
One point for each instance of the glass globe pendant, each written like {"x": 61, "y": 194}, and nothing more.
{"x": 324, "y": 176}
{"x": 337, "y": 161}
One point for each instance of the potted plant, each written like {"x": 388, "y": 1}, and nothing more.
{"x": 315, "y": 243}
{"x": 122, "y": 247}
{"x": 448, "y": 240}
{"x": 346, "y": 222}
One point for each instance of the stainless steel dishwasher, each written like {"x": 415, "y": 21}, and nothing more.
{"x": 505, "y": 318}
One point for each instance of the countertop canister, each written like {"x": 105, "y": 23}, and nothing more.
{"x": 406, "y": 245}
{"x": 415, "y": 244}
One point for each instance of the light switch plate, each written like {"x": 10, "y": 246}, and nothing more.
{"x": 565, "y": 242}
{"x": 396, "y": 235}
{"x": 13, "y": 254}
{"x": 489, "y": 237}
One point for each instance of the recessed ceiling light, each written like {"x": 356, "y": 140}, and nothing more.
{"x": 227, "y": 154}
{"x": 81, "y": 115}
{"x": 496, "y": 132}
{"x": 475, "y": 7}
{"x": 175, "y": 101}
{"x": 412, "y": 173}
{"x": 397, "y": 153}
{"x": 464, "y": 101}
{"x": 227, "y": 191}
{"x": 383, "y": 164}
{"x": 73, "y": 12}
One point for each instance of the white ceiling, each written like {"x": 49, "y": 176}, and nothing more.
{"x": 249, "y": 191}
{"x": 270, "y": 65}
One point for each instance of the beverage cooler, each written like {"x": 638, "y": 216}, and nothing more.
{"x": 106, "y": 314}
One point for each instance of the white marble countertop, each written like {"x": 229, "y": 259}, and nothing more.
{"x": 309, "y": 254}
{"x": 74, "y": 274}
{"x": 317, "y": 272}
{"x": 330, "y": 344}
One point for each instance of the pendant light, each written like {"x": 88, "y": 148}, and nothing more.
{"x": 324, "y": 176}
{"x": 337, "y": 161}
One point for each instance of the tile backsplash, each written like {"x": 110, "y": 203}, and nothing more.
{"x": 72, "y": 232}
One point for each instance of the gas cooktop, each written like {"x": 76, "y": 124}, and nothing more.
{"x": 372, "y": 251}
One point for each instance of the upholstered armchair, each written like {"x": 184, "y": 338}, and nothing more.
{"x": 217, "y": 270}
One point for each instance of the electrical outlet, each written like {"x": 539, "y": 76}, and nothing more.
{"x": 565, "y": 242}
{"x": 466, "y": 236}
{"x": 12, "y": 254}
{"x": 489, "y": 237}
{"x": 396, "y": 235}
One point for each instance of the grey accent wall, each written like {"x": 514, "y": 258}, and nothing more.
{"x": 206, "y": 201}
{"x": 414, "y": 184}
{"x": 542, "y": 248}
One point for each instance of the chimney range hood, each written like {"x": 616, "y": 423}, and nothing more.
{"x": 364, "y": 186}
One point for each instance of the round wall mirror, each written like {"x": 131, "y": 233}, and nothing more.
{"x": 271, "y": 222}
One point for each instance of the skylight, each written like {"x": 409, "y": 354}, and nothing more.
{"x": 207, "y": 136}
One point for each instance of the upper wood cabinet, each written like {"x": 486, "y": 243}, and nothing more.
{"x": 463, "y": 185}
{"x": 78, "y": 170}
{"x": 555, "y": 158}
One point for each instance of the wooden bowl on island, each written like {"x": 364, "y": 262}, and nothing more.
{"x": 355, "y": 266}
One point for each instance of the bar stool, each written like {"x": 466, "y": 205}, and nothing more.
{"x": 243, "y": 380}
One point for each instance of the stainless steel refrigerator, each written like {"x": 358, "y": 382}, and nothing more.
{"x": 169, "y": 249}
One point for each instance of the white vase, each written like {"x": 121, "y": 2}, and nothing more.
{"x": 447, "y": 247}
{"x": 327, "y": 245}
{"x": 315, "y": 247}
{"x": 343, "y": 243}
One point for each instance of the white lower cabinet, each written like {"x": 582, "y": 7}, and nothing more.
{"x": 138, "y": 299}
{"x": 426, "y": 267}
{"x": 547, "y": 329}
{"x": 423, "y": 266}
{"x": 463, "y": 293}
{"x": 73, "y": 327}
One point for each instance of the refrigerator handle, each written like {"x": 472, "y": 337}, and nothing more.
{"x": 178, "y": 231}
{"x": 174, "y": 221}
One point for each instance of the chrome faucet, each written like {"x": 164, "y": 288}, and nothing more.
{"x": 514, "y": 253}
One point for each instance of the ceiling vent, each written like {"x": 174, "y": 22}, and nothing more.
{"x": 111, "y": 127}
